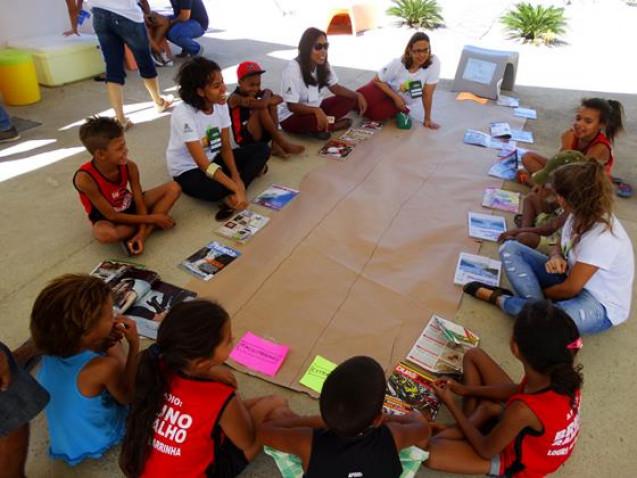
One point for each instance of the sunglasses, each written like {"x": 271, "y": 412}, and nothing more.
{"x": 321, "y": 46}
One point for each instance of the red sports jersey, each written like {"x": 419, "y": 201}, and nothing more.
{"x": 183, "y": 444}
{"x": 599, "y": 139}
{"x": 534, "y": 455}
{"x": 116, "y": 193}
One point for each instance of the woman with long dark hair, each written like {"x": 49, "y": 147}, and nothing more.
{"x": 303, "y": 85}
{"x": 590, "y": 274}
{"x": 405, "y": 84}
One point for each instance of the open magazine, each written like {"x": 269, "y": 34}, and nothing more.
{"x": 356, "y": 135}
{"x": 502, "y": 199}
{"x": 336, "y": 149}
{"x": 472, "y": 267}
{"x": 140, "y": 295}
{"x": 209, "y": 260}
{"x": 410, "y": 389}
{"x": 243, "y": 226}
{"x": 486, "y": 226}
{"x": 478, "y": 138}
{"x": 441, "y": 346}
{"x": 500, "y": 130}
{"x": 507, "y": 167}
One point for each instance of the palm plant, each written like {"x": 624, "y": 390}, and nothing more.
{"x": 535, "y": 23}
{"x": 417, "y": 13}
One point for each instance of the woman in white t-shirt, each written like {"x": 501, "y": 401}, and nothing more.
{"x": 405, "y": 84}
{"x": 200, "y": 155}
{"x": 303, "y": 85}
{"x": 590, "y": 274}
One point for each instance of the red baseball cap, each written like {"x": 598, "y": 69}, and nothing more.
{"x": 248, "y": 68}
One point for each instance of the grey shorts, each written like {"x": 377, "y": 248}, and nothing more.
{"x": 494, "y": 469}
{"x": 22, "y": 401}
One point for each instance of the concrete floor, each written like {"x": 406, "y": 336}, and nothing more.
{"x": 44, "y": 234}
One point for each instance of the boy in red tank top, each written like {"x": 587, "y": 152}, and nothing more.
{"x": 505, "y": 429}
{"x": 117, "y": 213}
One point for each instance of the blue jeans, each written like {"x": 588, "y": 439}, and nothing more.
{"x": 182, "y": 34}
{"x": 525, "y": 269}
{"x": 113, "y": 32}
{"x": 5, "y": 121}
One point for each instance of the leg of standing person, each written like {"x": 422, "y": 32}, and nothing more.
{"x": 183, "y": 35}
{"x": 7, "y": 130}
{"x": 380, "y": 107}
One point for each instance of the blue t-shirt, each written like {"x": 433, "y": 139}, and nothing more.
{"x": 197, "y": 10}
{"x": 79, "y": 427}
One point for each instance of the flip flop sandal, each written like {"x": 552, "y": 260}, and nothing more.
{"x": 623, "y": 190}
{"x": 224, "y": 213}
{"x": 616, "y": 180}
{"x": 471, "y": 288}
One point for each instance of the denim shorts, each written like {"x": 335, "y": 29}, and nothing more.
{"x": 113, "y": 32}
{"x": 22, "y": 401}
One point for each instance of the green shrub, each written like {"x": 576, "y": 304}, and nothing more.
{"x": 535, "y": 23}
{"x": 417, "y": 13}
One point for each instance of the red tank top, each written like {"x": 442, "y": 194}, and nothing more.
{"x": 116, "y": 193}
{"x": 599, "y": 139}
{"x": 533, "y": 454}
{"x": 183, "y": 444}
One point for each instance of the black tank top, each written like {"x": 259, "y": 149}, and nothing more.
{"x": 371, "y": 455}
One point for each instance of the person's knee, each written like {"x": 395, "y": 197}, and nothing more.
{"x": 529, "y": 239}
{"x": 173, "y": 190}
{"x": 508, "y": 248}
{"x": 105, "y": 235}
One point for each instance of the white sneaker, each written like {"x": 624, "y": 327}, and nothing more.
{"x": 166, "y": 59}
{"x": 201, "y": 50}
{"x": 157, "y": 59}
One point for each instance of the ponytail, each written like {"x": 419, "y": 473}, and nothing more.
{"x": 548, "y": 341}
{"x": 611, "y": 114}
{"x": 148, "y": 396}
{"x": 191, "y": 330}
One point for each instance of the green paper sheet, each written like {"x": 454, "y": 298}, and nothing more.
{"x": 316, "y": 374}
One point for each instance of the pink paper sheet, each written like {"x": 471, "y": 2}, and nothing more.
{"x": 259, "y": 354}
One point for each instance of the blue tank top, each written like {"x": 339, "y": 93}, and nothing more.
{"x": 79, "y": 427}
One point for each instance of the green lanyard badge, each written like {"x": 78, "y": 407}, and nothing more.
{"x": 415, "y": 89}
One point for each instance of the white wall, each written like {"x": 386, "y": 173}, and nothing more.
{"x": 29, "y": 18}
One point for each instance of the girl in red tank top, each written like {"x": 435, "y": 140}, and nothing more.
{"x": 593, "y": 132}
{"x": 186, "y": 418}
{"x": 504, "y": 429}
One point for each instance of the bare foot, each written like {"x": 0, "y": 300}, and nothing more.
{"x": 278, "y": 151}
{"x": 293, "y": 148}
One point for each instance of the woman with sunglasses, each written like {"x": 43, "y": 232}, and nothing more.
{"x": 303, "y": 85}
{"x": 406, "y": 84}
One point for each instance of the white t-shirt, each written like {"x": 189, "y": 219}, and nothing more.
{"x": 126, "y": 8}
{"x": 395, "y": 74}
{"x": 294, "y": 89}
{"x": 612, "y": 253}
{"x": 188, "y": 124}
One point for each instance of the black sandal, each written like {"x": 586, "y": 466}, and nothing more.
{"x": 471, "y": 288}
{"x": 224, "y": 213}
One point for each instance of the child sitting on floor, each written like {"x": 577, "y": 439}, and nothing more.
{"x": 254, "y": 112}
{"x": 117, "y": 213}
{"x": 537, "y": 421}
{"x": 84, "y": 368}
{"x": 351, "y": 437}
{"x": 187, "y": 418}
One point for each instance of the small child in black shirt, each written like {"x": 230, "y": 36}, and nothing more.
{"x": 352, "y": 437}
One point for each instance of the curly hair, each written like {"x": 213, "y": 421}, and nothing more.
{"x": 193, "y": 75}
{"x": 407, "y": 58}
{"x": 67, "y": 308}
{"x": 588, "y": 192}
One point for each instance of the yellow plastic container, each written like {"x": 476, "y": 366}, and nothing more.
{"x": 18, "y": 81}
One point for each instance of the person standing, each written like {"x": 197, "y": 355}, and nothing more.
{"x": 7, "y": 130}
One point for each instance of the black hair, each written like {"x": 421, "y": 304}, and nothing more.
{"x": 191, "y": 330}
{"x": 194, "y": 74}
{"x": 543, "y": 333}
{"x": 407, "y": 58}
{"x": 98, "y": 131}
{"x": 352, "y": 396}
{"x": 304, "y": 59}
{"x": 611, "y": 114}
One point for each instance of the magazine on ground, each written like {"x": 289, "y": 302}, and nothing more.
{"x": 140, "y": 294}
{"x": 356, "y": 135}
{"x": 441, "y": 346}
{"x": 522, "y": 136}
{"x": 410, "y": 389}
{"x": 371, "y": 125}
{"x": 472, "y": 267}
{"x": 486, "y": 226}
{"x": 496, "y": 198}
{"x": 506, "y": 167}
{"x": 527, "y": 113}
{"x": 478, "y": 138}
{"x": 509, "y": 101}
{"x": 500, "y": 130}
{"x": 336, "y": 149}
{"x": 209, "y": 260}
{"x": 276, "y": 197}
{"x": 243, "y": 226}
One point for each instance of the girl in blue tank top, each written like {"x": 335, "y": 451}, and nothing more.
{"x": 84, "y": 368}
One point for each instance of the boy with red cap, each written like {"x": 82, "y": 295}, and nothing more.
{"x": 254, "y": 112}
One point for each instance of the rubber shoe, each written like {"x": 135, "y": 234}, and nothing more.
{"x": 10, "y": 134}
